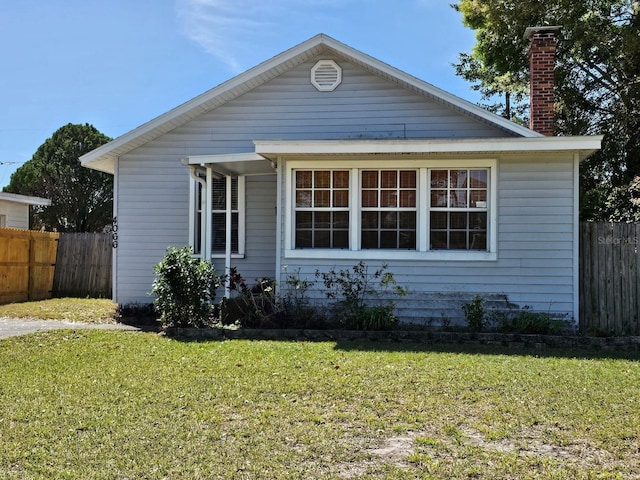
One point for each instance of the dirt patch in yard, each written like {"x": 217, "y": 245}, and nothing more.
{"x": 399, "y": 450}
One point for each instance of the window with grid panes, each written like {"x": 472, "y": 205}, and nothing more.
{"x": 321, "y": 208}
{"x": 218, "y": 215}
{"x": 458, "y": 209}
{"x": 388, "y": 209}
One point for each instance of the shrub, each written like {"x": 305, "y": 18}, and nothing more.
{"x": 359, "y": 301}
{"x": 255, "y": 307}
{"x": 184, "y": 288}
{"x": 378, "y": 317}
{"x": 260, "y": 307}
{"x": 474, "y": 313}
{"x": 296, "y": 308}
{"x": 359, "y": 296}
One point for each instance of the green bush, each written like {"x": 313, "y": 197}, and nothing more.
{"x": 474, "y": 313}
{"x": 378, "y": 317}
{"x": 185, "y": 289}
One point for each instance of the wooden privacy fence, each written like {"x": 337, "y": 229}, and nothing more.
{"x": 610, "y": 278}
{"x": 27, "y": 263}
{"x": 83, "y": 267}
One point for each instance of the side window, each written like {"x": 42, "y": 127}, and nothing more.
{"x": 218, "y": 216}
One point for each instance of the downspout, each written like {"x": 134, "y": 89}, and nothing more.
{"x": 227, "y": 250}
{"x": 193, "y": 171}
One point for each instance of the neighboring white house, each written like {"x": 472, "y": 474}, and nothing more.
{"x": 324, "y": 156}
{"x": 14, "y": 209}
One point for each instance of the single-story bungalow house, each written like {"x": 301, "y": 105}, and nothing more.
{"x": 14, "y": 209}
{"x": 324, "y": 156}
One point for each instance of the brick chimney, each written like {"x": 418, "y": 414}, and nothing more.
{"x": 542, "y": 52}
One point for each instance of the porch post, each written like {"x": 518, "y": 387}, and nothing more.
{"x": 194, "y": 206}
{"x": 206, "y": 215}
{"x": 279, "y": 215}
{"x": 227, "y": 249}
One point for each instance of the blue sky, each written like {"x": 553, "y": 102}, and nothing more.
{"x": 119, "y": 63}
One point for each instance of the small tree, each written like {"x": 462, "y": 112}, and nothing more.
{"x": 185, "y": 289}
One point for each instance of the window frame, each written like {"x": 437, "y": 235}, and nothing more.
{"x": 449, "y": 209}
{"x": 423, "y": 195}
{"x": 313, "y": 190}
{"x": 380, "y": 208}
{"x": 195, "y": 210}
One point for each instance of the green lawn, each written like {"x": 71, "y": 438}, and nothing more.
{"x": 115, "y": 405}
{"x": 88, "y": 310}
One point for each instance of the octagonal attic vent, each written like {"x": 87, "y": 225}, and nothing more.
{"x": 326, "y": 75}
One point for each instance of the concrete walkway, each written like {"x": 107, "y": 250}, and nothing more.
{"x": 12, "y": 327}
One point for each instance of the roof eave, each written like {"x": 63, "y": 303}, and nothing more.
{"x": 583, "y": 145}
{"x": 24, "y": 199}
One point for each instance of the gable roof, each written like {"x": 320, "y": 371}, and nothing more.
{"x": 103, "y": 158}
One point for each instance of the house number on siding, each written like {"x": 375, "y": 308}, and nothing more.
{"x": 114, "y": 235}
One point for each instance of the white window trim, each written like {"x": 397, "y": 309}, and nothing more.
{"x": 242, "y": 210}
{"x": 422, "y": 252}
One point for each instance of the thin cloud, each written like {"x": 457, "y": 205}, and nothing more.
{"x": 228, "y": 28}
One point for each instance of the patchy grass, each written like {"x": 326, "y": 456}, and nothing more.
{"x": 94, "y": 404}
{"x": 90, "y": 310}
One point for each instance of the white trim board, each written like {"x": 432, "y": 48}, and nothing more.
{"x": 584, "y": 146}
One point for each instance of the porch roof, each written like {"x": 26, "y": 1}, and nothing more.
{"x": 274, "y": 149}
{"x": 234, "y": 164}
{"x": 264, "y": 160}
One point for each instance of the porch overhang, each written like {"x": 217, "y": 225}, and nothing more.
{"x": 274, "y": 149}
{"x": 233, "y": 165}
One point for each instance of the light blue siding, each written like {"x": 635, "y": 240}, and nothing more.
{"x": 535, "y": 198}
{"x": 534, "y": 265}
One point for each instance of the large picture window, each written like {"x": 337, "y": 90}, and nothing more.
{"x": 424, "y": 208}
